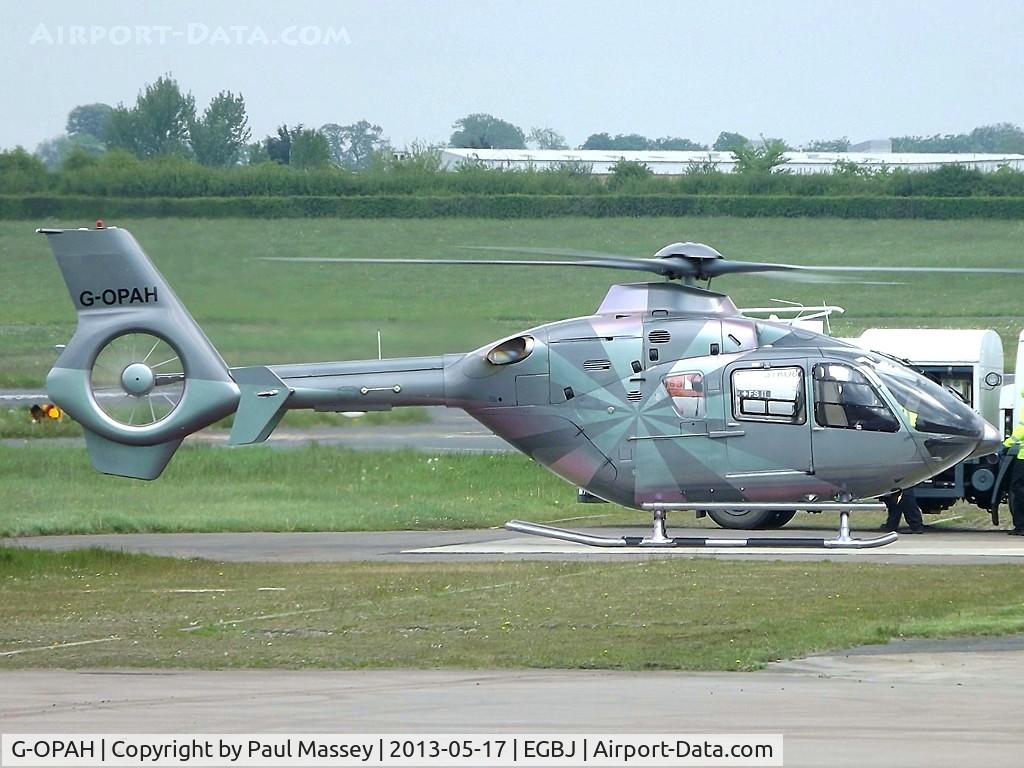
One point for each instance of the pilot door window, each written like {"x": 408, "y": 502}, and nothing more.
{"x": 769, "y": 394}
{"x": 844, "y": 399}
{"x": 687, "y": 393}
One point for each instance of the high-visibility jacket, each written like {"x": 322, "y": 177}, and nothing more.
{"x": 1016, "y": 438}
{"x": 911, "y": 417}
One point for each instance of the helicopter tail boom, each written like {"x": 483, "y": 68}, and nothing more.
{"x": 366, "y": 385}
{"x": 267, "y": 392}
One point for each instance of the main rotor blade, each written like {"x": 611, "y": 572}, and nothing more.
{"x": 572, "y": 253}
{"x": 638, "y": 265}
{"x": 688, "y": 250}
{"x": 671, "y": 267}
{"x": 820, "y": 279}
{"x": 789, "y": 271}
{"x": 718, "y": 267}
{"x": 947, "y": 270}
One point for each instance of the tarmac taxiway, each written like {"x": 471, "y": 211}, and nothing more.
{"x": 938, "y": 546}
{"x": 914, "y": 703}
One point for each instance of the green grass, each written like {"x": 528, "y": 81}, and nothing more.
{"x": 53, "y": 489}
{"x": 663, "y": 614}
{"x": 17, "y": 423}
{"x": 261, "y": 312}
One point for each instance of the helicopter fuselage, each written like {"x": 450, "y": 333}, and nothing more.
{"x": 669, "y": 394}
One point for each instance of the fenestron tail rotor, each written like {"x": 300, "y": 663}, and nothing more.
{"x": 138, "y": 379}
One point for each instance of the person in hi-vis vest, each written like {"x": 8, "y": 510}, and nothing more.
{"x": 903, "y": 503}
{"x": 1013, "y": 442}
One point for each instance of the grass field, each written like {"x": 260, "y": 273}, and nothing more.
{"x": 53, "y": 489}
{"x": 667, "y": 614}
{"x": 260, "y": 312}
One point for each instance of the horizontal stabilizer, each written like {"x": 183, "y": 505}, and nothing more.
{"x": 143, "y": 462}
{"x": 261, "y": 406}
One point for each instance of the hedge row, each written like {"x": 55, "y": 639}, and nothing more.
{"x": 121, "y": 174}
{"x": 509, "y": 207}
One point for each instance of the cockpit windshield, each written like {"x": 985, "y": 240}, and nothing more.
{"x": 929, "y": 407}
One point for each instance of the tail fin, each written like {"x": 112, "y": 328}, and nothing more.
{"x": 138, "y": 374}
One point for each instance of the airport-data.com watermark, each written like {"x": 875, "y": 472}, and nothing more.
{"x": 193, "y": 33}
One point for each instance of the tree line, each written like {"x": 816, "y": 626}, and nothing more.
{"x": 118, "y": 174}
{"x": 165, "y": 122}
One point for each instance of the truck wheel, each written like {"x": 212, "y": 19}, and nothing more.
{"x": 742, "y": 519}
{"x": 779, "y": 519}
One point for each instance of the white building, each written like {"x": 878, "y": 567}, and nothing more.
{"x": 600, "y": 162}
{"x": 872, "y": 145}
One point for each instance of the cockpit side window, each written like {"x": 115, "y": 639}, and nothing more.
{"x": 769, "y": 394}
{"x": 929, "y": 407}
{"x": 845, "y": 399}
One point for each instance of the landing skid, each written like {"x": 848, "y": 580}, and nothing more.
{"x": 659, "y": 539}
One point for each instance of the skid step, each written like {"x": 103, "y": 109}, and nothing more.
{"x": 659, "y": 540}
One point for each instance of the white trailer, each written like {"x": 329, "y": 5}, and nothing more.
{"x": 1013, "y": 391}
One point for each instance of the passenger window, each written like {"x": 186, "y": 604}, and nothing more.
{"x": 687, "y": 393}
{"x": 769, "y": 394}
{"x": 845, "y": 399}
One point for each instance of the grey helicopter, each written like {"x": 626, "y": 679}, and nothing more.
{"x": 666, "y": 398}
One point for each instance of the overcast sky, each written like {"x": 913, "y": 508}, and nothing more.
{"x": 789, "y": 68}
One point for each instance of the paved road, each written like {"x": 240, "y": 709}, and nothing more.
{"x": 944, "y": 705}
{"x": 449, "y": 430}
{"x": 20, "y": 398}
{"x": 941, "y": 546}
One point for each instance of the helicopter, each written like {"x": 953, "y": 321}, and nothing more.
{"x": 666, "y": 398}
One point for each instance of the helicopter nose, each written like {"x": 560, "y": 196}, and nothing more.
{"x": 989, "y": 441}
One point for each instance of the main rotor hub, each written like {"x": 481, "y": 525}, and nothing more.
{"x": 138, "y": 379}
{"x": 688, "y": 251}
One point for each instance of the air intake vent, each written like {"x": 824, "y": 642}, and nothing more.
{"x": 634, "y": 397}
{"x": 597, "y": 365}
{"x": 659, "y": 337}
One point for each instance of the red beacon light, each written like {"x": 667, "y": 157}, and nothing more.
{"x": 100, "y": 224}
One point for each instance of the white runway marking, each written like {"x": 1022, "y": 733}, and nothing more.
{"x": 265, "y": 617}
{"x": 539, "y": 546}
{"x": 58, "y": 646}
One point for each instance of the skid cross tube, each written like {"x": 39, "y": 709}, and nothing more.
{"x": 660, "y": 539}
